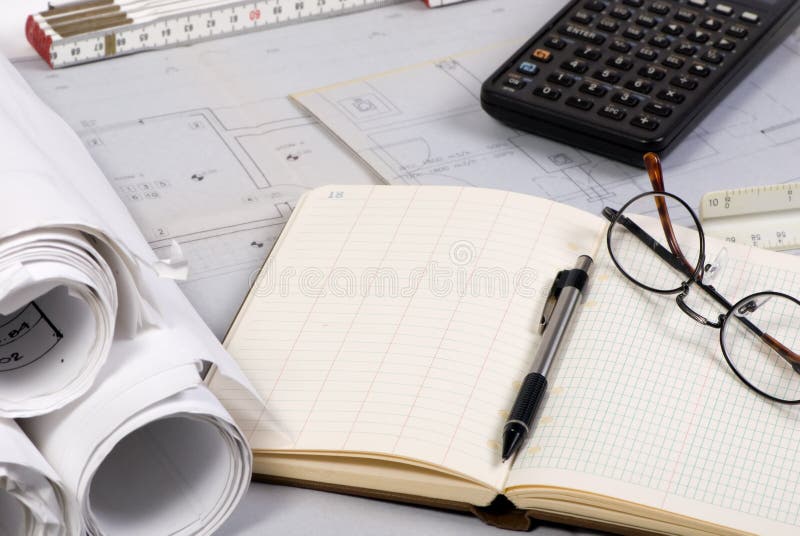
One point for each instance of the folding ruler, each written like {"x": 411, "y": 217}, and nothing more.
{"x": 763, "y": 216}
{"x": 91, "y": 30}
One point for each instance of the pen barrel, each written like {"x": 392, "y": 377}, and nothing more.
{"x": 528, "y": 399}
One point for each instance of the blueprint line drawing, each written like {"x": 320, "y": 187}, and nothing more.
{"x": 433, "y": 131}
{"x": 205, "y": 147}
{"x": 221, "y": 187}
{"x": 438, "y": 134}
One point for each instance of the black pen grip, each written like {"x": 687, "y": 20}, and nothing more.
{"x": 530, "y": 394}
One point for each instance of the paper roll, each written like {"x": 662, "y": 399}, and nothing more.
{"x": 100, "y": 353}
{"x": 58, "y": 307}
{"x": 32, "y": 500}
{"x": 149, "y": 450}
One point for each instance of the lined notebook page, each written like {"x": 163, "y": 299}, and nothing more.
{"x": 643, "y": 407}
{"x": 421, "y": 359}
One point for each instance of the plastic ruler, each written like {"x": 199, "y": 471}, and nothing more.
{"x": 91, "y": 30}
{"x": 763, "y": 216}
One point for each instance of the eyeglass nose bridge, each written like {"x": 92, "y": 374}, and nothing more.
{"x": 691, "y": 313}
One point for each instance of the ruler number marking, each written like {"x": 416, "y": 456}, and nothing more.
{"x": 186, "y": 28}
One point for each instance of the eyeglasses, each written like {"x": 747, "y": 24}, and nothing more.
{"x": 759, "y": 334}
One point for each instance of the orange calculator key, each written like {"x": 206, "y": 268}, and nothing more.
{"x": 542, "y": 55}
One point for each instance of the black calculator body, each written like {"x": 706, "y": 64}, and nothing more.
{"x": 625, "y": 77}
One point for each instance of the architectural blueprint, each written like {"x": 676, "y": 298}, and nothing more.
{"x": 204, "y": 146}
{"x": 424, "y": 125}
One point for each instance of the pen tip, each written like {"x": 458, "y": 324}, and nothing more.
{"x": 512, "y": 439}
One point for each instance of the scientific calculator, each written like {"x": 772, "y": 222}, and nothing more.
{"x": 624, "y": 77}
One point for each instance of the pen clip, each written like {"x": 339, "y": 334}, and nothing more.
{"x": 552, "y": 299}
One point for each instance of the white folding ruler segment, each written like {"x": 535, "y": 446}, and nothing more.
{"x": 91, "y": 30}
{"x": 763, "y": 216}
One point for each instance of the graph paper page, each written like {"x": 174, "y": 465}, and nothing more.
{"x": 643, "y": 407}
{"x": 395, "y": 320}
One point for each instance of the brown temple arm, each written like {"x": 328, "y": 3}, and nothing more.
{"x": 790, "y": 356}
{"x": 653, "y": 164}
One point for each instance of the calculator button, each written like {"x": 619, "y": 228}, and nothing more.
{"x": 514, "y": 83}
{"x": 595, "y": 5}
{"x": 686, "y": 49}
{"x": 749, "y": 16}
{"x": 645, "y": 122}
{"x": 620, "y": 45}
{"x": 628, "y": 99}
{"x": 642, "y": 86}
{"x": 670, "y": 95}
{"x": 576, "y": 32}
{"x": 620, "y": 62}
{"x": 673, "y": 62}
{"x": 608, "y": 75}
{"x": 699, "y": 36}
{"x": 699, "y": 3}
{"x": 655, "y": 73}
{"x": 580, "y": 103}
{"x": 673, "y": 29}
{"x": 713, "y": 56}
{"x": 634, "y": 33}
{"x": 659, "y": 41}
{"x": 633, "y": 3}
{"x": 724, "y": 9}
{"x": 685, "y": 15}
{"x": 542, "y": 55}
{"x": 660, "y": 8}
{"x": 555, "y": 42}
{"x": 593, "y": 88}
{"x": 647, "y": 53}
{"x": 562, "y": 79}
{"x": 608, "y": 25}
{"x": 699, "y": 70}
{"x": 684, "y": 82}
{"x": 621, "y": 13}
{"x": 589, "y": 53}
{"x": 725, "y": 44}
{"x": 528, "y": 68}
{"x": 737, "y": 30}
{"x": 658, "y": 109}
{"x": 646, "y": 21}
{"x": 582, "y": 17}
{"x": 547, "y": 92}
{"x": 711, "y": 24}
{"x": 613, "y": 112}
{"x": 576, "y": 66}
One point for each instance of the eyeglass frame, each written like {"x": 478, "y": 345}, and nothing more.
{"x": 675, "y": 258}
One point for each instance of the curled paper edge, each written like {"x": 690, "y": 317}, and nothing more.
{"x": 175, "y": 266}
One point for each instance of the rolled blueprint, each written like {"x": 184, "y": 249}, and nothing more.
{"x": 32, "y": 500}
{"x": 58, "y": 304}
{"x": 101, "y": 354}
{"x": 68, "y": 280}
{"x": 150, "y": 450}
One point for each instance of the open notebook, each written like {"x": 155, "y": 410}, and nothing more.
{"x": 390, "y": 328}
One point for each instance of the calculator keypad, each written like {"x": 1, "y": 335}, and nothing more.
{"x": 632, "y": 62}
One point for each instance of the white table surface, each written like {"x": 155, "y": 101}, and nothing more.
{"x": 284, "y": 511}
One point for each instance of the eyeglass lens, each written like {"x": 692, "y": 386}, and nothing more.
{"x": 771, "y": 363}
{"x": 651, "y": 263}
